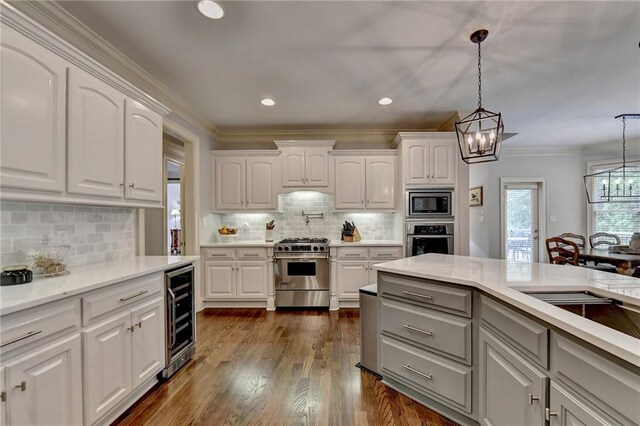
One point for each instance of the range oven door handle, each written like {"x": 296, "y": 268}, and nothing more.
{"x": 172, "y": 320}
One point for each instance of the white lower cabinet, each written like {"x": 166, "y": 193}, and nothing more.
{"x": 251, "y": 279}
{"x": 44, "y": 386}
{"x": 220, "y": 279}
{"x": 566, "y": 409}
{"x": 356, "y": 267}
{"x": 148, "y": 342}
{"x": 229, "y": 280}
{"x": 352, "y": 275}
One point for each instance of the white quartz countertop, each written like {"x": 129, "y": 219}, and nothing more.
{"x": 260, "y": 243}
{"x": 83, "y": 279}
{"x": 506, "y": 281}
{"x": 366, "y": 243}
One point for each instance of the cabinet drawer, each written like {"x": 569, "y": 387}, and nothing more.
{"x": 22, "y": 328}
{"x": 219, "y": 254}
{"x": 252, "y": 253}
{"x": 96, "y": 305}
{"x": 529, "y": 337}
{"x": 613, "y": 388}
{"x": 443, "y": 333}
{"x": 352, "y": 253}
{"x": 385, "y": 253}
{"x": 426, "y": 293}
{"x": 435, "y": 376}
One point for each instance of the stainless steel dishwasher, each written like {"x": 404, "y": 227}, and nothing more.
{"x": 369, "y": 329}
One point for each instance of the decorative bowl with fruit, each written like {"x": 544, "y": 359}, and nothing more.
{"x": 227, "y": 233}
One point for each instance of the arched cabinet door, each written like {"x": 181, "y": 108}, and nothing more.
{"x": 32, "y": 92}
{"x": 95, "y": 163}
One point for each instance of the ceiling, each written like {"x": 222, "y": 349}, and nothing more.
{"x": 558, "y": 71}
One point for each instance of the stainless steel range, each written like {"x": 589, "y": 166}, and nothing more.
{"x": 302, "y": 272}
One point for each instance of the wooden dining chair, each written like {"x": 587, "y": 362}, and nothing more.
{"x": 578, "y": 240}
{"x": 561, "y": 251}
{"x": 603, "y": 239}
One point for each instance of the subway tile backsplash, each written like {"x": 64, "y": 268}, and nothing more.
{"x": 94, "y": 234}
{"x": 291, "y": 223}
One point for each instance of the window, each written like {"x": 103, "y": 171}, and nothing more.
{"x": 622, "y": 219}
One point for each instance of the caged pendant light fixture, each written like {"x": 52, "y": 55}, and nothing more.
{"x": 619, "y": 184}
{"x": 480, "y": 133}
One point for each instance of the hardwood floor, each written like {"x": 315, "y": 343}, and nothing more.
{"x": 254, "y": 367}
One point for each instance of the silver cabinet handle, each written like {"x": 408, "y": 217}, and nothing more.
{"x": 22, "y": 386}
{"x": 17, "y": 339}
{"x": 3, "y": 396}
{"x": 172, "y": 296}
{"x": 132, "y": 328}
{"x": 533, "y": 398}
{"x": 351, "y": 254}
{"x": 419, "y": 373}
{"x": 217, "y": 255}
{"x": 241, "y": 203}
{"x": 132, "y": 185}
{"x": 250, "y": 255}
{"x": 548, "y": 414}
{"x": 124, "y": 299}
{"x": 424, "y": 296}
{"x": 361, "y": 201}
{"x": 139, "y": 324}
{"x": 417, "y": 330}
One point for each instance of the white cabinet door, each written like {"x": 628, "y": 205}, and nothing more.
{"x": 148, "y": 341}
{"x": 350, "y": 183}
{"x": 143, "y": 153}
{"x": 417, "y": 163}
{"x": 95, "y": 146}
{"x": 442, "y": 162}
{"x": 316, "y": 167}
{"x": 230, "y": 183}
{"x": 107, "y": 365}
{"x": 45, "y": 385}
{"x": 293, "y": 167}
{"x": 252, "y": 280}
{"x": 220, "y": 280}
{"x": 3, "y": 400}
{"x": 33, "y": 111}
{"x": 381, "y": 183}
{"x": 261, "y": 183}
{"x": 351, "y": 277}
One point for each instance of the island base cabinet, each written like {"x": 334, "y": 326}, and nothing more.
{"x": 565, "y": 409}
{"x": 148, "y": 341}
{"x": 512, "y": 391}
{"x": 44, "y": 387}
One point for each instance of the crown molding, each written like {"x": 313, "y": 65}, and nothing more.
{"x": 363, "y": 152}
{"x": 296, "y": 143}
{"x": 60, "y": 22}
{"x": 382, "y": 136}
{"x": 245, "y": 153}
{"x": 421, "y": 135}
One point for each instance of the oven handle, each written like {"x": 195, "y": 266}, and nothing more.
{"x": 172, "y": 321}
{"x": 302, "y": 257}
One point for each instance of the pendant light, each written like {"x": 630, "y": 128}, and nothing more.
{"x": 480, "y": 133}
{"x": 616, "y": 185}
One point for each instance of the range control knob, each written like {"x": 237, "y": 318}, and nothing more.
{"x": 315, "y": 248}
{"x": 279, "y": 248}
{"x": 321, "y": 248}
{"x": 286, "y": 249}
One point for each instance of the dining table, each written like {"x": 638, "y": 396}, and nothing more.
{"x": 625, "y": 263}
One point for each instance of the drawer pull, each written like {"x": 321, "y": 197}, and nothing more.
{"x": 250, "y": 255}
{"x": 17, "y": 339}
{"x": 217, "y": 255}
{"x": 352, "y": 254}
{"x": 417, "y": 330}
{"x": 419, "y": 373}
{"x": 124, "y": 299}
{"x": 533, "y": 398}
{"x": 548, "y": 414}
{"x": 424, "y": 296}
{"x": 22, "y": 386}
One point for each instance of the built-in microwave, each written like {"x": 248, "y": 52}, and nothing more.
{"x": 430, "y": 203}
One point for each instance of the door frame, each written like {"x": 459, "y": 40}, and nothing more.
{"x": 165, "y": 211}
{"x": 541, "y": 183}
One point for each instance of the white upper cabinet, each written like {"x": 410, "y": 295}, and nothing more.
{"x": 95, "y": 161}
{"x": 261, "y": 183}
{"x": 350, "y": 183}
{"x": 32, "y": 93}
{"x": 143, "y": 153}
{"x": 230, "y": 183}
{"x": 293, "y": 167}
{"x": 316, "y": 164}
{"x": 381, "y": 183}
{"x": 305, "y": 163}
{"x": 365, "y": 183}
{"x": 429, "y": 162}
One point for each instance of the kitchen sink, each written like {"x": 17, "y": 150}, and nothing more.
{"x": 603, "y": 310}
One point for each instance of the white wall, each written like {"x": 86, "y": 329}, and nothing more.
{"x": 565, "y": 196}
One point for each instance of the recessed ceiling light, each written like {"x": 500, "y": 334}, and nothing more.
{"x": 210, "y": 9}
{"x": 268, "y": 102}
{"x": 385, "y": 101}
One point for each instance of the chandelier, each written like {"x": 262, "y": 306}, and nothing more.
{"x": 480, "y": 133}
{"x": 617, "y": 185}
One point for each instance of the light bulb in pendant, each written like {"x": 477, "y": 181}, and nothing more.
{"x": 478, "y": 135}
{"x": 492, "y": 136}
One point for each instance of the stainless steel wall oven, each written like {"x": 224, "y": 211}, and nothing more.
{"x": 429, "y": 237}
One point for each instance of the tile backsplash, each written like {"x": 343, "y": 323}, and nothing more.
{"x": 94, "y": 234}
{"x": 291, "y": 223}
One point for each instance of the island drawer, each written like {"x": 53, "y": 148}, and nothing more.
{"x": 352, "y": 253}
{"x": 385, "y": 253}
{"x": 251, "y": 253}
{"x": 428, "y": 293}
{"x": 435, "y": 376}
{"x": 102, "y": 302}
{"x": 612, "y": 387}
{"x": 527, "y": 336}
{"x": 446, "y": 334}
{"x": 24, "y": 327}
{"x": 219, "y": 254}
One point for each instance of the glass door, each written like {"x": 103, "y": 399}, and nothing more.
{"x": 520, "y": 222}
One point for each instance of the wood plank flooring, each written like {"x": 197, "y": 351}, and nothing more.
{"x": 254, "y": 367}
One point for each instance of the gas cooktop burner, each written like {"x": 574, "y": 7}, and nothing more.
{"x": 316, "y": 246}
{"x": 304, "y": 241}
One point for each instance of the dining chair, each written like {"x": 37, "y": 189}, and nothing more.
{"x": 578, "y": 240}
{"x": 561, "y": 251}
{"x": 603, "y": 239}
